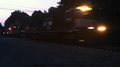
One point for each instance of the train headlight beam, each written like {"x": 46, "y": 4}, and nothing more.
{"x": 101, "y": 28}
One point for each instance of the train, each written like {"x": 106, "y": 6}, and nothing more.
{"x": 67, "y": 29}
{"x": 72, "y": 25}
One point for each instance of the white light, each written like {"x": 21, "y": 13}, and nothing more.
{"x": 91, "y": 27}
{"x": 81, "y": 40}
{"x": 22, "y": 31}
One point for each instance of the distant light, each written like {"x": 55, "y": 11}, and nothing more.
{"x": 84, "y": 8}
{"x": 22, "y": 31}
{"x": 7, "y": 33}
{"x": 91, "y": 27}
{"x": 18, "y": 26}
{"x": 9, "y": 28}
{"x": 14, "y": 26}
{"x": 81, "y": 40}
{"x": 3, "y": 32}
{"x": 102, "y": 28}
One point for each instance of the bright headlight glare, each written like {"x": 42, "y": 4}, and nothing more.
{"x": 84, "y": 8}
{"x": 91, "y": 27}
{"x": 102, "y": 28}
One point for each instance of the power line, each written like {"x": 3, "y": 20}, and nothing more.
{"x": 20, "y": 6}
{"x": 15, "y": 9}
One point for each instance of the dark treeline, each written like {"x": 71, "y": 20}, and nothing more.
{"x": 17, "y": 15}
{"x": 102, "y": 9}
{"x": 23, "y": 18}
{"x": 1, "y": 27}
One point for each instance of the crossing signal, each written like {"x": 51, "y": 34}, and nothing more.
{"x": 9, "y": 28}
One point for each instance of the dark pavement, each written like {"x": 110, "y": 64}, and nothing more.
{"x": 23, "y": 52}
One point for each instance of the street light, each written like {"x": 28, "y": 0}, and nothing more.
{"x": 84, "y": 8}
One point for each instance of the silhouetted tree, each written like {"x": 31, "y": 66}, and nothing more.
{"x": 37, "y": 15}
{"x": 104, "y": 9}
{"x": 66, "y": 4}
{"x": 1, "y": 27}
{"x": 17, "y": 15}
{"x": 109, "y": 8}
{"x": 52, "y": 11}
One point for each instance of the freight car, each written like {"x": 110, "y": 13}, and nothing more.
{"x": 72, "y": 25}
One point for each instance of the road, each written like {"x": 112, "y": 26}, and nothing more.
{"x": 23, "y": 52}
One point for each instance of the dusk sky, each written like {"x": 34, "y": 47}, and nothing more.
{"x": 28, "y": 6}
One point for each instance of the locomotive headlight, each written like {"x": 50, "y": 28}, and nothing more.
{"x": 84, "y": 8}
{"x": 101, "y": 28}
{"x": 90, "y": 28}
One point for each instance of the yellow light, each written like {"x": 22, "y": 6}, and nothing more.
{"x": 84, "y": 8}
{"x": 14, "y": 26}
{"x": 102, "y": 28}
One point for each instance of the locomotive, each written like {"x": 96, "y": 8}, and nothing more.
{"x": 72, "y": 25}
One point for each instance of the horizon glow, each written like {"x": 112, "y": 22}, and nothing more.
{"x": 25, "y": 6}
